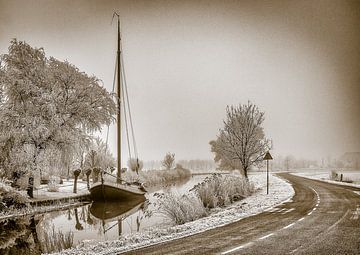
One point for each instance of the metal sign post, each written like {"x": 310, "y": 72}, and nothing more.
{"x": 267, "y": 158}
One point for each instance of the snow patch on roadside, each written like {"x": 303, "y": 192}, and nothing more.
{"x": 280, "y": 191}
{"x": 324, "y": 177}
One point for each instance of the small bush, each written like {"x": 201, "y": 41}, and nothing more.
{"x": 334, "y": 176}
{"x": 180, "y": 209}
{"x": 218, "y": 190}
{"x": 52, "y": 185}
{"x": 11, "y": 198}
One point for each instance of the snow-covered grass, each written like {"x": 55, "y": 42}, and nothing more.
{"x": 218, "y": 190}
{"x": 257, "y": 203}
{"x": 180, "y": 209}
{"x": 352, "y": 178}
{"x": 215, "y": 191}
{"x": 156, "y": 177}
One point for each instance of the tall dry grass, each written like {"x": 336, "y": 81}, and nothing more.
{"x": 57, "y": 241}
{"x": 214, "y": 191}
{"x": 157, "y": 177}
{"x": 218, "y": 190}
{"x": 180, "y": 208}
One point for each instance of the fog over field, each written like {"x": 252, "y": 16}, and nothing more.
{"x": 186, "y": 60}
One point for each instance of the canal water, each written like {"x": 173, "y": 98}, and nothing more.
{"x": 93, "y": 221}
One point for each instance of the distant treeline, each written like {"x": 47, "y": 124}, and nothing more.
{"x": 192, "y": 164}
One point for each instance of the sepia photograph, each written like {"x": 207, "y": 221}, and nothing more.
{"x": 180, "y": 127}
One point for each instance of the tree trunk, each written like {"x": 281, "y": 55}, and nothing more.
{"x": 246, "y": 174}
{"x": 75, "y": 183}
{"x": 88, "y": 172}
{"x": 76, "y": 176}
{"x": 30, "y": 189}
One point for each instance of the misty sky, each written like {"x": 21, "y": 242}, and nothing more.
{"x": 299, "y": 61}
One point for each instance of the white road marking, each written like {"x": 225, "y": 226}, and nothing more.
{"x": 284, "y": 211}
{"x": 356, "y": 213}
{"x": 273, "y": 209}
{"x": 236, "y": 248}
{"x": 261, "y": 238}
{"x": 288, "y": 226}
{"x": 289, "y": 210}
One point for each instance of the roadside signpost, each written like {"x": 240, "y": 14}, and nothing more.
{"x": 267, "y": 158}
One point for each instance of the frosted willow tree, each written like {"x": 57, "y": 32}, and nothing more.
{"x": 47, "y": 105}
{"x": 241, "y": 143}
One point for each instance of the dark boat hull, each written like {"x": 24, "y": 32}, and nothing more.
{"x": 108, "y": 192}
{"x": 109, "y": 211}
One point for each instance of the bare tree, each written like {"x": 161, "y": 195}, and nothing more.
{"x": 169, "y": 160}
{"x": 241, "y": 143}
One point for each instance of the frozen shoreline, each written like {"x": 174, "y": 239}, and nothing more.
{"x": 280, "y": 191}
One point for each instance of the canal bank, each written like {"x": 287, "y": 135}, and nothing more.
{"x": 279, "y": 189}
{"x": 74, "y": 219}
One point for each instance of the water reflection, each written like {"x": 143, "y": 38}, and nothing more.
{"x": 34, "y": 235}
{"x": 116, "y": 212}
{"x": 97, "y": 221}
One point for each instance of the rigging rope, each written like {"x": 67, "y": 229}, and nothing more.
{"x": 128, "y": 104}
{"x": 126, "y": 122}
{"x": 112, "y": 94}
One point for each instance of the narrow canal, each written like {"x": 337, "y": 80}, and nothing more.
{"x": 93, "y": 221}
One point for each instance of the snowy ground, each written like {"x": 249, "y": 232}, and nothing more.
{"x": 65, "y": 190}
{"x": 280, "y": 191}
{"x": 325, "y": 176}
{"x": 42, "y": 193}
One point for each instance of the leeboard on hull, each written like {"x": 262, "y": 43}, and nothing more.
{"x": 115, "y": 192}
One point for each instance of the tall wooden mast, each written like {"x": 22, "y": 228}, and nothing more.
{"x": 118, "y": 88}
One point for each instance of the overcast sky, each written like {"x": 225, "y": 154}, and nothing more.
{"x": 299, "y": 61}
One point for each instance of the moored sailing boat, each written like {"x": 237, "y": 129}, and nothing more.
{"x": 119, "y": 189}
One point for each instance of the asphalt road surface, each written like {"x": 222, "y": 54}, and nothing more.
{"x": 321, "y": 218}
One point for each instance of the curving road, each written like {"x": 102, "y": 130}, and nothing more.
{"x": 321, "y": 218}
